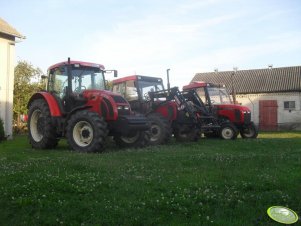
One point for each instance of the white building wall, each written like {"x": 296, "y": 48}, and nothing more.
{"x": 286, "y": 119}
{"x": 7, "y": 56}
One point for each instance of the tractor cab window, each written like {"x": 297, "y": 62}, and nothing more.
{"x": 145, "y": 87}
{"x": 82, "y": 78}
{"x": 119, "y": 88}
{"x": 58, "y": 82}
{"x": 87, "y": 78}
{"x": 219, "y": 95}
{"x": 201, "y": 93}
{"x": 131, "y": 91}
{"x": 127, "y": 89}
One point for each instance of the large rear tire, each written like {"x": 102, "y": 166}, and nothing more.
{"x": 137, "y": 139}
{"x": 42, "y": 133}
{"x": 160, "y": 131}
{"x": 249, "y": 131}
{"x": 228, "y": 131}
{"x": 86, "y": 132}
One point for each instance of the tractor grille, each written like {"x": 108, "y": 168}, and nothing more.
{"x": 119, "y": 99}
{"x": 124, "y": 111}
{"x": 247, "y": 117}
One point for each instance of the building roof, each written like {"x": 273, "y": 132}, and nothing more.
{"x": 270, "y": 80}
{"x": 9, "y": 30}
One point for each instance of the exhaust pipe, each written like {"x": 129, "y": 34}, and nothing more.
{"x": 168, "y": 84}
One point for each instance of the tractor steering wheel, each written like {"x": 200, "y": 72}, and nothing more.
{"x": 79, "y": 89}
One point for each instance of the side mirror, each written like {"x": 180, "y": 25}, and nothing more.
{"x": 110, "y": 71}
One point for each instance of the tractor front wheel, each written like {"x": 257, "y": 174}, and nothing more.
{"x": 160, "y": 130}
{"x": 136, "y": 139}
{"x": 249, "y": 131}
{"x": 228, "y": 131}
{"x": 86, "y": 132}
{"x": 42, "y": 133}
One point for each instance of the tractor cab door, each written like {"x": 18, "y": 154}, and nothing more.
{"x": 58, "y": 87}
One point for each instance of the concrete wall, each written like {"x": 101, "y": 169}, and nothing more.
{"x": 7, "y": 61}
{"x": 287, "y": 120}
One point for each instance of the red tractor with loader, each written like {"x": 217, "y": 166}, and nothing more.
{"x": 135, "y": 89}
{"x": 76, "y": 105}
{"x": 170, "y": 111}
{"x": 219, "y": 103}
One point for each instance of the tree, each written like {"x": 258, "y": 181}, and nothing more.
{"x": 27, "y": 82}
{"x": 109, "y": 84}
{"x": 2, "y": 134}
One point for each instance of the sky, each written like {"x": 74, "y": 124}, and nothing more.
{"x": 147, "y": 37}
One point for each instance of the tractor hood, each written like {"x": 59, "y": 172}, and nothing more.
{"x": 94, "y": 93}
{"x": 232, "y": 107}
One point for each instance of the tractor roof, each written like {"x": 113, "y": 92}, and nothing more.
{"x": 137, "y": 77}
{"x": 195, "y": 85}
{"x": 126, "y": 78}
{"x": 81, "y": 63}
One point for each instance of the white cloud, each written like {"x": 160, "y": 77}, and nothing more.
{"x": 152, "y": 44}
{"x": 186, "y": 36}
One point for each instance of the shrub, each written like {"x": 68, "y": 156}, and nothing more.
{"x": 2, "y": 134}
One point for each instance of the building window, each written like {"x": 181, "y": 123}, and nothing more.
{"x": 289, "y": 105}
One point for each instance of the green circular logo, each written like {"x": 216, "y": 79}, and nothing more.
{"x": 282, "y": 214}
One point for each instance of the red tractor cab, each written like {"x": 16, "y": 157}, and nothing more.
{"x": 219, "y": 103}
{"x": 76, "y": 105}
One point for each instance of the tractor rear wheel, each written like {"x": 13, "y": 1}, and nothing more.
{"x": 86, "y": 132}
{"x": 185, "y": 133}
{"x": 228, "y": 131}
{"x": 136, "y": 139}
{"x": 42, "y": 133}
{"x": 160, "y": 131}
{"x": 249, "y": 131}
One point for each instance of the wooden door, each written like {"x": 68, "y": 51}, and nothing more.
{"x": 268, "y": 115}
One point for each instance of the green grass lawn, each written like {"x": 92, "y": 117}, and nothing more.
{"x": 211, "y": 182}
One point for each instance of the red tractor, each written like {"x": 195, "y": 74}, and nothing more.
{"x": 135, "y": 89}
{"x": 171, "y": 111}
{"x": 218, "y": 102}
{"x": 76, "y": 105}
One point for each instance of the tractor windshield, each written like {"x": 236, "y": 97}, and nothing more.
{"x": 148, "y": 86}
{"x": 219, "y": 95}
{"x": 82, "y": 78}
{"x": 87, "y": 78}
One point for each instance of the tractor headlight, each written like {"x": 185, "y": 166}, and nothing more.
{"x": 123, "y": 109}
